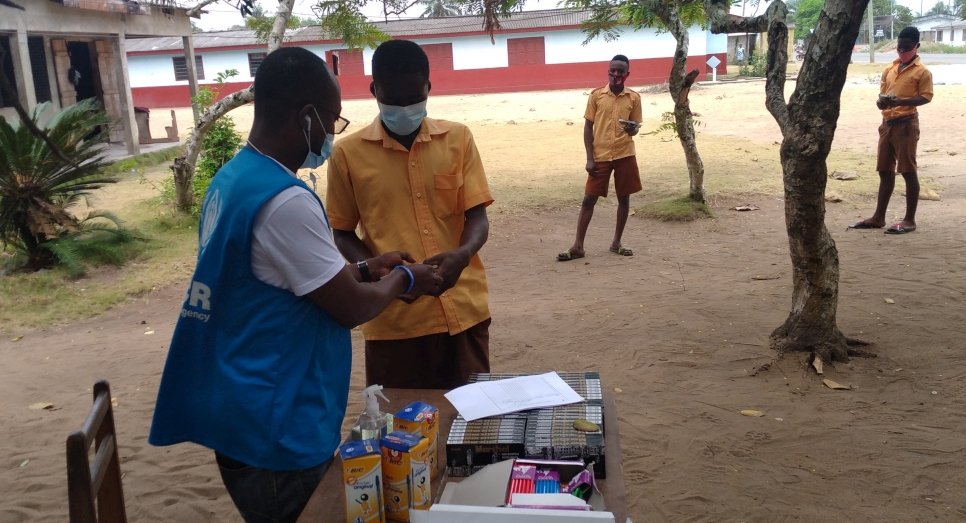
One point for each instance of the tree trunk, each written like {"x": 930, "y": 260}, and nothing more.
{"x": 808, "y": 125}
{"x": 184, "y": 165}
{"x": 679, "y": 86}
{"x": 813, "y": 113}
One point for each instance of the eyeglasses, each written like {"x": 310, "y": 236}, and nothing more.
{"x": 340, "y": 123}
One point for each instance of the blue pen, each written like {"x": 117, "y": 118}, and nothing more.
{"x": 380, "y": 507}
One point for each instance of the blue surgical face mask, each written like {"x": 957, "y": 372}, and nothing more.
{"x": 314, "y": 160}
{"x": 403, "y": 120}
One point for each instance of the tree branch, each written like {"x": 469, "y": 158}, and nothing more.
{"x": 281, "y": 22}
{"x": 777, "y": 63}
{"x": 670, "y": 18}
{"x": 184, "y": 165}
{"x": 196, "y": 10}
{"x": 722, "y": 22}
{"x": 397, "y": 11}
{"x": 686, "y": 87}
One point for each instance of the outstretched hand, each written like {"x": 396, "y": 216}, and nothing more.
{"x": 450, "y": 265}
{"x": 380, "y": 266}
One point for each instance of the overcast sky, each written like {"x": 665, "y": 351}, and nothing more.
{"x": 222, "y": 16}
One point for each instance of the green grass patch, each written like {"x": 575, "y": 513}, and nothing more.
{"x": 163, "y": 254}
{"x": 680, "y": 209}
{"x": 941, "y": 48}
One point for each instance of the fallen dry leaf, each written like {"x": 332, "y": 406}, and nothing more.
{"x": 148, "y": 333}
{"x": 817, "y": 364}
{"x": 16, "y": 338}
{"x": 759, "y": 277}
{"x": 890, "y": 301}
{"x": 752, "y": 413}
{"x": 844, "y": 175}
{"x": 929, "y": 194}
{"x": 618, "y": 389}
{"x": 41, "y": 406}
{"x": 24, "y": 463}
{"x": 835, "y": 386}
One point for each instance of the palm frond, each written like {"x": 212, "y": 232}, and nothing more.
{"x": 65, "y": 250}
{"x": 38, "y": 186}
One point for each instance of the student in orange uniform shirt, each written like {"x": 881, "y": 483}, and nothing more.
{"x": 905, "y": 85}
{"x": 612, "y": 119}
{"x": 417, "y": 184}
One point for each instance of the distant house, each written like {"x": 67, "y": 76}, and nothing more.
{"x": 757, "y": 43}
{"x": 533, "y": 50}
{"x": 63, "y": 51}
{"x": 943, "y": 29}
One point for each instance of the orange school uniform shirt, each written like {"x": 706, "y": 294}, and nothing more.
{"x": 914, "y": 80}
{"x": 413, "y": 201}
{"x": 604, "y": 108}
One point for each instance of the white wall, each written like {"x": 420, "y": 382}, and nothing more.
{"x": 151, "y": 70}
{"x": 479, "y": 53}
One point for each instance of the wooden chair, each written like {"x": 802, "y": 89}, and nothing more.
{"x": 98, "y": 485}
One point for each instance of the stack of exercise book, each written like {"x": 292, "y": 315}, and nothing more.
{"x": 546, "y": 433}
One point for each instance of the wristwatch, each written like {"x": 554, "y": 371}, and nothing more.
{"x": 363, "y": 267}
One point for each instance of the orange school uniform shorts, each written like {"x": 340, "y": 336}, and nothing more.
{"x": 627, "y": 177}
{"x": 898, "y": 140}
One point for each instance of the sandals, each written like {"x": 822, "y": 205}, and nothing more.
{"x": 569, "y": 255}
{"x": 899, "y": 229}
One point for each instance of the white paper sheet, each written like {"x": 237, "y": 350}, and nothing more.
{"x": 492, "y": 398}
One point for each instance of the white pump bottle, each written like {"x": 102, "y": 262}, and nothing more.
{"x": 372, "y": 423}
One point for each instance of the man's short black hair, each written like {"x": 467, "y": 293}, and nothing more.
{"x": 910, "y": 33}
{"x": 288, "y": 79}
{"x": 399, "y": 57}
{"x": 621, "y": 58}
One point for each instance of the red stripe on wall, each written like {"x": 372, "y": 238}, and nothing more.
{"x": 532, "y": 77}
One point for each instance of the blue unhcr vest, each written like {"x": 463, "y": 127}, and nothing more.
{"x": 253, "y": 372}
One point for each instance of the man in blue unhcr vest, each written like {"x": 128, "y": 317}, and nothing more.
{"x": 258, "y": 368}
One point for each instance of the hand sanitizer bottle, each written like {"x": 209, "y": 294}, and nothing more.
{"x": 372, "y": 423}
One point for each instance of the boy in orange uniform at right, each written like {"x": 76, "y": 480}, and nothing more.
{"x": 905, "y": 85}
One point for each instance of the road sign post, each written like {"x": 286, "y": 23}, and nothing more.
{"x": 713, "y": 63}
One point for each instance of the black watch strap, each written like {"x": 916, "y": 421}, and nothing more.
{"x": 363, "y": 267}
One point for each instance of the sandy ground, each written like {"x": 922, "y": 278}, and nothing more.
{"x": 675, "y": 331}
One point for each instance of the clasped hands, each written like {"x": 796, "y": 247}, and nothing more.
{"x": 886, "y": 101}
{"x": 434, "y": 276}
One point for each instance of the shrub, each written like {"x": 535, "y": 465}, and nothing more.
{"x": 756, "y": 66}
{"x": 39, "y": 186}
